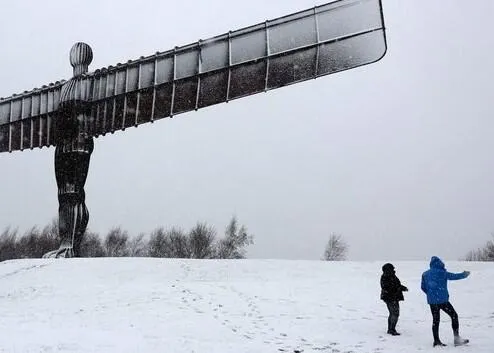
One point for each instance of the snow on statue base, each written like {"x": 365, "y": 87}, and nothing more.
{"x": 60, "y": 253}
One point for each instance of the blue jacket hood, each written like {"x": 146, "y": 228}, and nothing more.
{"x": 437, "y": 263}
{"x": 435, "y": 281}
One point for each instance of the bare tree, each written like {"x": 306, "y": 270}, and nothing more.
{"x": 157, "y": 245}
{"x": 474, "y": 255}
{"x": 8, "y": 244}
{"x": 137, "y": 246}
{"x": 172, "y": 243}
{"x": 336, "y": 248}
{"x": 486, "y": 253}
{"x": 91, "y": 245}
{"x": 202, "y": 241}
{"x": 116, "y": 243}
{"x": 233, "y": 245}
{"x": 27, "y": 244}
{"x": 48, "y": 238}
{"x": 179, "y": 245}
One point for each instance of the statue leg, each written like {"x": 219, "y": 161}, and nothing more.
{"x": 71, "y": 168}
{"x": 73, "y": 217}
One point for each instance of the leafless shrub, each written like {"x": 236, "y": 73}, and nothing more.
{"x": 116, "y": 243}
{"x": 336, "y": 248}
{"x": 233, "y": 244}
{"x": 8, "y": 244}
{"x": 92, "y": 246}
{"x": 202, "y": 241}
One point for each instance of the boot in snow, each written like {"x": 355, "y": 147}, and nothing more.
{"x": 393, "y": 333}
{"x": 438, "y": 344}
{"x": 460, "y": 341}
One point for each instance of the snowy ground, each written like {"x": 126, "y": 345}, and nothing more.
{"x": 160, "y": 305}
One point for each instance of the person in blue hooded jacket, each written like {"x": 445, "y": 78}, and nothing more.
{"x": 435, "y": 285}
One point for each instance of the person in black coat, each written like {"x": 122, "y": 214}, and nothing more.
{"x": 392, "y": 293}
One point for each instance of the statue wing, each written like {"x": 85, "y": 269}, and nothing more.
{"x": 27, "y": 119}
{"x": 305, "y": 45}
{"x": 309, "y": 44}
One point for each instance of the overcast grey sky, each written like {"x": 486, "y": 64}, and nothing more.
{"x": 396, "y": 156}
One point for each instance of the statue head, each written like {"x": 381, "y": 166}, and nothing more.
{"x": 81, "y": 56}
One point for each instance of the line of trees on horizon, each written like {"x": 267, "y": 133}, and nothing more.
{"x": 200, "y": 242}
{"x": 484, "y": 253}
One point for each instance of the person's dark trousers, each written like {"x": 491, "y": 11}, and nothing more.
{"x": 394, "y": 313}
{"x": 448, "y": 309}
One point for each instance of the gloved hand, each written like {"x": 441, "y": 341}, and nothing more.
{"x": 467, "y": 273}
{"x": 405, "y": 289}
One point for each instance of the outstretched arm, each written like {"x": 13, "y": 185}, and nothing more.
{"x": 455, "y": 276}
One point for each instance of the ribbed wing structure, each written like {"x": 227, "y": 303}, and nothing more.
{"x": 27, "y": 120}
{"x": 323, "y": 40}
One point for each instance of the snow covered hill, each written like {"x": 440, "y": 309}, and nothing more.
{"x": 164, "y": 305}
